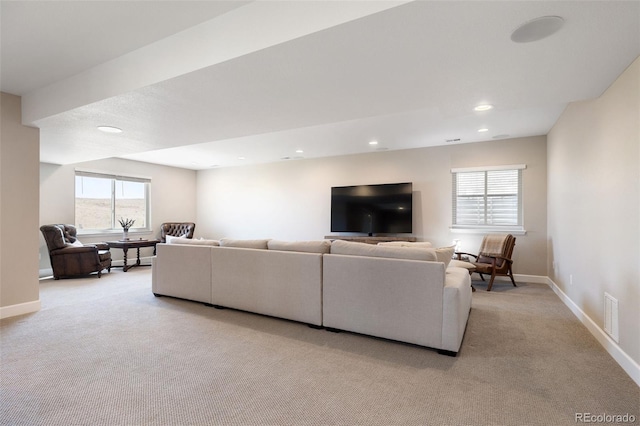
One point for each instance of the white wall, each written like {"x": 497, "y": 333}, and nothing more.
{"x": 291, "y": 200}
{"x": 19, "y": 154}
{"x": 594, "y": 205}
{"x": 173, "y": 193}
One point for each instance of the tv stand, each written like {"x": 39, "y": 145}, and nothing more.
{"x": 370, "y": 239}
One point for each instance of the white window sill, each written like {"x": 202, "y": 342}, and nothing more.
{"x": 114, "y": 233}
{"x": 489, "y": 230}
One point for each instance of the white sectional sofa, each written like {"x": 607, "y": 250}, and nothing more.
{"x": 400, "y": 293}
{"x": 245, "y": 275}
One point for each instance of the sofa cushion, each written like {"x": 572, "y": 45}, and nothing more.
{"x": 423, "y": 244}
{"x": 170, "y": 239}
{"x": 462, "y": 264}
{"x": 362, "y": 249}
{"x": 192, "y": 242}
{"x": 320, "y": 246}
{"x": 254, "y": 244}
{"x": 445, "y": 254}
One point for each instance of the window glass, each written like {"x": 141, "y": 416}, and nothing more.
{"x": 487, "y": 198}
{"x": 101, "y": 200}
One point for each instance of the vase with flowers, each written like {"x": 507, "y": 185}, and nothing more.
{"x": 126, "y": 224}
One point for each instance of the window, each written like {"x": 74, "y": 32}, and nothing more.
{"x": 488, "y": 198}
{"x": 102, "y": 199}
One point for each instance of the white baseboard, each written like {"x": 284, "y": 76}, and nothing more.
{"x": 19, "y": 309}
{"x": 631, "y": 367}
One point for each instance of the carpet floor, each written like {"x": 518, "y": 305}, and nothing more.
{"x": 107, "y": 352}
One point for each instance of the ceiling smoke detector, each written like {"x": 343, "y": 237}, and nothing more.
{"x": 537, "y": 29}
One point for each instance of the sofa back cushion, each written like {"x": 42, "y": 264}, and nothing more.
{"x": 191, "y": 242}
{"x": 362, "y": 249}
{"x": 320, "y": 246}
{"x": 254, "y": 244}
{"x": 445, "y": 254}
{"x": 421, "y": 244}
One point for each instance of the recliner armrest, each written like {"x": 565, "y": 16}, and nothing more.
{"x": 71, "y": 250}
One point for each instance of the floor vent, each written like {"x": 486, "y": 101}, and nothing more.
{"x": 611, "y": 316}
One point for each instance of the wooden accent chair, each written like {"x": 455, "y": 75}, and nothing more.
{"x": 494, "y": 257}
{"x": 176, "y": 229}
{"x": 69, "y": 257}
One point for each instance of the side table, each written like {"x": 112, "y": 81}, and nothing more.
{"x": 125, "y": 245}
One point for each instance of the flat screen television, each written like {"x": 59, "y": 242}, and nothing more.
{"x": 372, "y": 209}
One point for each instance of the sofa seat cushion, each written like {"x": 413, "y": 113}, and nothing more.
{"x": 362, "y": 249}
{"x": 254, "y": 244}
{"x": 321, "y": 246}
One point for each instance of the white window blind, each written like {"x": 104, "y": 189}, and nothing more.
{"x": 490, "y": 197}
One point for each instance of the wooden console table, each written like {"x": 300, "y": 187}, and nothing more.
{"x": 370, "y": 240}
{"x": 125, "y": 245}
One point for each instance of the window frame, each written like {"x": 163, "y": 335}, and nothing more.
{"x": 115, "y": 226}
{"x": 516, "y": 229}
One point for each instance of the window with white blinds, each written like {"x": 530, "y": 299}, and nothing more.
{"x": 487, "y": 197}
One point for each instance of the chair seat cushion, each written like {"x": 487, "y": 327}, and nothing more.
{"x": 483, "y": 268}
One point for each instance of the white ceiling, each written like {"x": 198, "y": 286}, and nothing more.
{"x": 198, "y": 84}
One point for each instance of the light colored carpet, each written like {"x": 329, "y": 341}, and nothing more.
{"x": 107, "y": 352}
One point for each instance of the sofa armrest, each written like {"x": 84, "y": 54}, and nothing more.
{"x": 455, "y": 308}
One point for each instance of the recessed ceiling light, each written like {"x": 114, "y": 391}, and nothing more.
{"x": 242, "y": 158}
{"x": 373, "y": 143}
{"x": 109, "y": 129}
{"x": 484, "y": 129}
{"x": 537, "y": 29}
{"x": 299, "y": 151}
{"x": 485, "y": 107}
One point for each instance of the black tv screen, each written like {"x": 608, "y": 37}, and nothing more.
{"x": 372, "y": 209}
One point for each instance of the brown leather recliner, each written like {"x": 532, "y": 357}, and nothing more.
{"x": 69, "y": 257}
{"x": 176, "y": 229}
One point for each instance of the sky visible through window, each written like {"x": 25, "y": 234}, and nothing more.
{"x": 87, "y": 187}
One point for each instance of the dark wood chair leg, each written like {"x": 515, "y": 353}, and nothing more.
{"x": 493, "y": 276}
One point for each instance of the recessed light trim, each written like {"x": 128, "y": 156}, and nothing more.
{"x": 484, "y": 129}
{"x": 537, "y": 29}
{"x": 483, "y": 107}
{"x": 299, "y": 151}
{"x": 109, "y": 129}
{"x": 373, "y": 143}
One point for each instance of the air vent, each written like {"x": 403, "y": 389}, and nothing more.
{"x": 453, "y": 140}
{"x": 611, "y": 316}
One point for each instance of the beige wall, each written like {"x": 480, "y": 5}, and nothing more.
{"x": 172, "y": 197}
{"x": 291, "y": 200}
{"x": 594, "y": 205}
{"x": 19, "y": 156}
